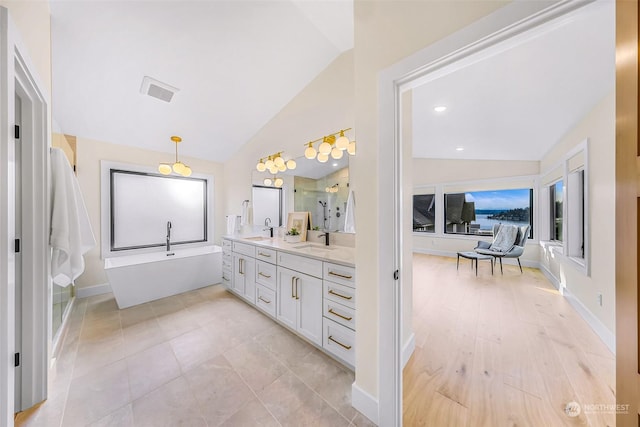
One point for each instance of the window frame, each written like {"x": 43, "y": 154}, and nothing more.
{"x": 433, "y": 206}
{"x": 553, "y": 212}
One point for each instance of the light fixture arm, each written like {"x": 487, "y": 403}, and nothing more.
{"x": 310, "y": 143}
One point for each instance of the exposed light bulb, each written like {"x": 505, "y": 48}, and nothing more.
{"x": 278, "y": 182}
{"x": 291, "y": 164}
{"x": 336, "y": 153}
{"x": 342, "y": 142}
{"x": 322, "y": 158}
{"x": 267, "y": 181}
{"x": 351, "y": 149}
{"x": 310, "y": 152}
{"x": 261, "y": 166}
{"x": 164, "y": 168}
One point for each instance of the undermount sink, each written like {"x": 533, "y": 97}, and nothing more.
{"x": 311, "y": 246}
{"x": 256, "y": 238}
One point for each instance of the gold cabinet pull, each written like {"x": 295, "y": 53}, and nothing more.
{"x": 240, "y": 265}
{"x": 344, "y": 276}
{"x": 297, "y": 282}
{"x": 264, "y": 300}
{"x": 348, "y": 347}
{"x": 339, "y": 295}
{"x": 264, "y": 275}
{"x": 292, "y": 294}
{"x": 340, "y": 315}
{"x": 264, "y": 255}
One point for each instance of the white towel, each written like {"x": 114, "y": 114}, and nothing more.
{"x": 244, "y": 216}
{"x": 70, "y": 236}
{"x": 350, "y": 214}
{"x": 232, "y": 222}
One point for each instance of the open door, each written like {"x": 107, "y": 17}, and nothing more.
{"x": 627, "y": 204}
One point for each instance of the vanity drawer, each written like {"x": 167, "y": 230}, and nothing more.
{"x": 340, "y": 274}
{"x": 344, "y": 295}
{"x": 339, "y": 341}
{"x": 226, "y": 244}
{"x": 266, "y": 300}
{"x": 268, "y": 255}
{"x": 244, "y": 249}
{"x": 266, "y": 274}
{"x": 309, "y": 266}
{"x": 226, "y": 280}
{"x": 227, "y": 263}
{"x": 228, "y": 256}
{"x": 337, "y": 312}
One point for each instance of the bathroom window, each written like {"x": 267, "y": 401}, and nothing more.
{"x": 142, "y": 205}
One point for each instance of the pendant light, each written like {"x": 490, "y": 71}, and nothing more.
{"x": 177, "y": 166}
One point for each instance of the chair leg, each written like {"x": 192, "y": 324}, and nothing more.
{"x": 519, "y": 265}
{"x": 501, "y": 272}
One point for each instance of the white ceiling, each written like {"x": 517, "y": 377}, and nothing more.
{"x": 516, "y": 101}
{"x": 236, "y": 63}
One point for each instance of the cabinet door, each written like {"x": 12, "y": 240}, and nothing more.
{"x": 287, "y": 305}
{"x": 238, "y": 274}
{"x": 309, "y": 292}
{"x": 249, "y": 270}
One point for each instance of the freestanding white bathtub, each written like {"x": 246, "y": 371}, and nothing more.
{"x": 136, "y": 279}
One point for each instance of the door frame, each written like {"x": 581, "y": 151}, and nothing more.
{"x": 503, "y": 24}
{"x": 19, "y": 77}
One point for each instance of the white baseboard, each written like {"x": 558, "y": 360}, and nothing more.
{"x": 550, "y": 277}
{"x": 90, "y": 291}
{"x": 598, "y": 327}
{"x": 408, "y": 349}
{"x": 58, "y": 339}
{"x": 366, "y": 404}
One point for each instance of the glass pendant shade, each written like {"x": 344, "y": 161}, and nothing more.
{"x": 342, "y": 142}
{"x": 310, "y": 152}
{"x": 278, "y": 182}
{"x": 282, "y": 168}
{"x": 164, "y": 168}
{"x": 178, "y": 167}
{"x": 268, "y": 164}
{"x": 279, "y": 162}
{"x": 322, "y": 158}
{"x": 291, "y": 164}
{"x": 273, "y": 170}
{"x": 267, "y": 181}
{"x": 336, "y": 153}
{"x": 261, "y": 167}
{"x": 325, "y": 148}
{"x": 351, "y": 149}
{"x": 186, "y": 171}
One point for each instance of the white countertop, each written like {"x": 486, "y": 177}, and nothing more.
{"x": 337, "y": 254}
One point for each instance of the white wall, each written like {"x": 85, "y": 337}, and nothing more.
{"x": 598, "y": 126}
{"x": 89, "y": 155}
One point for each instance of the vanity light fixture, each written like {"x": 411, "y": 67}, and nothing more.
{"x": 330, "y": 146}
{"x": 275, "y": 163}
{"x": 177, "y": 167}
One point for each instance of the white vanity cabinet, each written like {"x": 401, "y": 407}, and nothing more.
{"x": 227, "y": 263}
{"x": 339, "y": 311}
{"x": 266, "y": 280}
{"x": 300, "y": 295}
{"x": 244, "y": 267}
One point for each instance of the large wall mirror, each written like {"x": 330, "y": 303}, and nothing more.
{"x": 319, "y": 188}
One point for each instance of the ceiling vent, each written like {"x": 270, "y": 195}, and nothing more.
{"x": 157, "y": 89}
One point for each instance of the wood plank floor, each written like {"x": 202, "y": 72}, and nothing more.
{"x": 502, "y": 350}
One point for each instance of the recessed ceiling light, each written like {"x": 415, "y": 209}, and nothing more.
{"x": 459, "y": 148}
{"x": 439, "y": 108}
{"x": 335, "y": 165}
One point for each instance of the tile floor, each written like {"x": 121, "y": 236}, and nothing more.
{"x": 203, "y": 358}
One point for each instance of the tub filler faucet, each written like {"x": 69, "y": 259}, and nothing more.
{"x": 168, "y": 236}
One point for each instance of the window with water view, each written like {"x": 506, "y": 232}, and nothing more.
{"x": 476, "y": 212}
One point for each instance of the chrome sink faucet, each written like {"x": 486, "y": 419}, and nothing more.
{"x": 168, "y": 236}
{"x": 267, "y": 224}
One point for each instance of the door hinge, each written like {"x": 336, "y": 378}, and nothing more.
{"x": 16, "y": 360}
{"x": 396, "y": 275}
{"x": 16, "y": 245}
{"x": 16, "y": 131}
